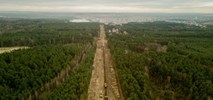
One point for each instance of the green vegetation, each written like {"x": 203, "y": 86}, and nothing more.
{"x": 156, "y": 60}
{"x": 55, "y": 46}
{"x": 24, "y": 71}
{"x": 163, "y": 60}
{"x": 23, "y": 32}
{"x": 76, "y": 86}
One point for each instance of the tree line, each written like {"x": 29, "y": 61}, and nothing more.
{"x": 161, "y": 60}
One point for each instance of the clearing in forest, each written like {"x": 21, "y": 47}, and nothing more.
{"x": 10, "y": 49}
{"x": 103, "y": 83}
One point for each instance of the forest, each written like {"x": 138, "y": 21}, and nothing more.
{"x": 152, "y": 60}
{"x": 58, "y": 51}
{"x": 76, "y": 86}
{"x": 163, "y": 60}
{"x": 33, "y": 32}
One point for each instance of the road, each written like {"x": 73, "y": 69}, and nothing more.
{"x": 103, "y": 83}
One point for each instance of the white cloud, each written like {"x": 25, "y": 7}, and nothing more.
{"x": 164, "y": 6}
{"x": 205, "y": 4}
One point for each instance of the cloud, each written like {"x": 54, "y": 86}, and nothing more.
{"x": 167, "y": 6}
{"x": 205, "y": 4}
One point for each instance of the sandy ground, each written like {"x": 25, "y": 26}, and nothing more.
{"x": 10, "y": 49}
{"x": 96, "y": 88}
{"x": 113, "y": 91}
{"x": 103, "y": 73}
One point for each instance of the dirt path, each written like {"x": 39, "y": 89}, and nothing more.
{"x": 10, "y": 49}
{"x": 103, "y": 82}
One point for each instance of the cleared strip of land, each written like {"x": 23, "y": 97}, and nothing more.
{"x": 10, "y": 49}
{"x": 103, "y": 83}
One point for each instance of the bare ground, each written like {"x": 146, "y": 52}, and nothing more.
{"x": 10, "y": 49}
{"x": 103, "y": 82}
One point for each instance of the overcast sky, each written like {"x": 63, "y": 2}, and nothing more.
{"x": 152, "y": 6}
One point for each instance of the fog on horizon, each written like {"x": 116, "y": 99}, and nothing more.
{"x": 134, "y": 6}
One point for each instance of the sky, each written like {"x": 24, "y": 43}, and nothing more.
{"x": 123, "y": 6}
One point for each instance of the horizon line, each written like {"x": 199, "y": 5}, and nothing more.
{"x": 111, "y": 12}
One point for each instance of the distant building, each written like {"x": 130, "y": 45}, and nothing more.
{"x": 125, "y": 33}
{"x": 115, "y": 30}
